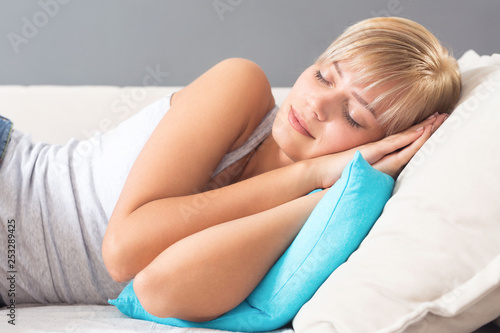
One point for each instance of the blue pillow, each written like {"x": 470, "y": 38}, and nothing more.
{"x": 334, "y": 230}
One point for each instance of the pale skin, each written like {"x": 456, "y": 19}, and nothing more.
{"x": 198, "y": 263}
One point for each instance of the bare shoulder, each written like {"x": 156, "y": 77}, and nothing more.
{"x": 211, "y": 116}
{"x": 208, "y": 118}
{"x": 238, "y": 85}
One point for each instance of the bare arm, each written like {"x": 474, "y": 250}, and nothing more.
{"x": 207, "y": 274}
{"x": 155, "y": 226}
{"x": 158, "y": 207}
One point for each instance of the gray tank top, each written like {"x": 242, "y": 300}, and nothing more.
{"x": 59, "y": 199}
{"x": 260, "y": 133}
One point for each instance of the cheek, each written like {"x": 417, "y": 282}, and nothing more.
{"x": 303, "y": 85}
{"x": 335, "y": 138}
{"x": 338, "y": 138}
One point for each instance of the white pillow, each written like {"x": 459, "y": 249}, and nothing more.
{"x": 431, "y": 263}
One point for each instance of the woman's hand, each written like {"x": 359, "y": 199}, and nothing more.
{"x": 392, "y": 153}
{"x": 388, "y": 155}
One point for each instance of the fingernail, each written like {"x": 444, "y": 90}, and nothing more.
{"x": 431, "y": 116}
{"x": 420, "y": 129}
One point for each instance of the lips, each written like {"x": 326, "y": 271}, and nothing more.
{"x": 298, "y": 123}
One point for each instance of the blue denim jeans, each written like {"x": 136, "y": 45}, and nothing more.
{"x": 5, "y": 129}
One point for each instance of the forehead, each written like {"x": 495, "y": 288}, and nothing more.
{"x": 367, "y": 88}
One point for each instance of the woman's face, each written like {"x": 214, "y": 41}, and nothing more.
{"x": 325, "y": 113}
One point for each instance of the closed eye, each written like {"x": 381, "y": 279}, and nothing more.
{"x": 345, "y": 110}
{"x": 349, "y": 119}
{"x": 320, "y": 78}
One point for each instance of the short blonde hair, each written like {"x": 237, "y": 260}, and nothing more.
{"x": 423, "y": 76}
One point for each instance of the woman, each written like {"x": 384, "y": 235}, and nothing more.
{"x": 201, "y": 200}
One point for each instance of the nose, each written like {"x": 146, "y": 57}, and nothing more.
{"x": 313, "y": 105}
{"x": 322, "y": 104}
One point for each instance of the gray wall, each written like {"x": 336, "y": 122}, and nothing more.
{"x": 121, "y": 42}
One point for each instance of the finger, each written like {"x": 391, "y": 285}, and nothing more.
{"x": 393, "y": 164}
{"x": 439, "y": 121}
{"x": 430, "y": 120}
{"x": 377, "y": 150}
{"x": 405, "y": 155}
{"x": 403, "y": 139}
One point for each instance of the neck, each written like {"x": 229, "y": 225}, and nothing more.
{"x": 268, "y": 157}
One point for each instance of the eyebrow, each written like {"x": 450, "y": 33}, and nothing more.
{"x": 356, "y": 96}
{"x": 365, "y": 104}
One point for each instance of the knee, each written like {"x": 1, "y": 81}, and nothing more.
{"x": 155, "y": 301}
{"x": 161, "y": 297}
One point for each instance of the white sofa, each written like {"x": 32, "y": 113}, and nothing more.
{"x": 54, "y": 114}
{"x": 430, "y": 264}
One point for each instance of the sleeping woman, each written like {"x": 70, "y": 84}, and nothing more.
{"x": 197, "y": 203}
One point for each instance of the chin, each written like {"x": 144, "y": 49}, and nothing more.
{"x": 288, "y": 147}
